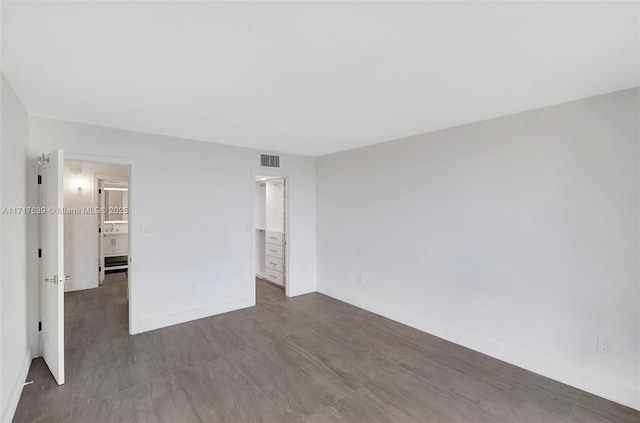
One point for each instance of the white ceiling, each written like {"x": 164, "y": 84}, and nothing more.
{"x": 311, "y": 78}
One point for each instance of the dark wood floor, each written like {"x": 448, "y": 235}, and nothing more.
{"x": 267, "y": 292}
{"x": 309, "y": 358}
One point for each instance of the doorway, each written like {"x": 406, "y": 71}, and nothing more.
{"x": 271, "y": 237}
{"x": 96, "y": 245}
{"x": 113, "y": 225}
{"x": 74, "y": 310}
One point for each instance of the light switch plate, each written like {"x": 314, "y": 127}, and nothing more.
{"x": 604, "y": 346}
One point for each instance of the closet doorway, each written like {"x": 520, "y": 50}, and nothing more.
{"x": 271, "y": 236}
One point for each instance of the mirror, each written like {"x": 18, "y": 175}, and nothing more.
{"x": 116, "y": 204}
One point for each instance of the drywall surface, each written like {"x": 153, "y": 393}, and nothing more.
{"x": 516, "y": 236}
{"x": 14, "y": 348}
{"x": 193, "y": 201}
{"x": 275, "y": 205}
{"x": 81, "y": 228}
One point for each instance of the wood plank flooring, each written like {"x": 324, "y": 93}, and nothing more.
{"x": 309, "y": 358}
{"x": 266, "y": 291}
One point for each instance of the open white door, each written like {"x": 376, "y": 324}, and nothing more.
{"x": 52, "y": 285}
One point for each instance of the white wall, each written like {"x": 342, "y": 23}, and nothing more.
{"x": 197, "y": 259}
{"x": 516, "y": 236}
{"x": 260, "y": 205}
{"x": 81, "y": 230}
{"x": 15, "y": 354}
{"x": 275, "y": 205}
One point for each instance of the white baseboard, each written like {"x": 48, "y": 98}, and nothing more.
{"x": 158, "y": 322}
{"x": 9, "y": 409}
{"x": 152, "y": 323}
{"x": 625, "y": 395}
{"x": 302, "y": 289}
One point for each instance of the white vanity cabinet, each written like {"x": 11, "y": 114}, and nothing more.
{"x": 115, "y": 244}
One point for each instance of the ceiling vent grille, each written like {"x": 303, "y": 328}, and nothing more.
{"x": 267, "y": 160}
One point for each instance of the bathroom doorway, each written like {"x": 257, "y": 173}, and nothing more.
{"x": 270, "y": 202}
{"x": 96, "y": 242}
{"x": 113, "y": 225}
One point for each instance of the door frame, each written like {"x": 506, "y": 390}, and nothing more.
{"x": 120, "y": 162}
{"x": 99, "y": 200}
{"x": 275, "y": 173}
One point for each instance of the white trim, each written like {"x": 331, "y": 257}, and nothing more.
{"x": 274, "y": 174}
{"x": 252, "y": 282}
{"x": 99, "y": 180}
{"x": 14, "y": 397}
{"x": 158, "y": 322}
{"x": 302, "y": 289}
{"x": 97, "y": 159}
{"x": 625, "y": 395}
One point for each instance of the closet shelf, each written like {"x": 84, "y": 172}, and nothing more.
{"x": 270, "y": 230}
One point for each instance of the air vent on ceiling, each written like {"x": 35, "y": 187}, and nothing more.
{"x": 269, "y": 161}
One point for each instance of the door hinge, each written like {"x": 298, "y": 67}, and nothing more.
{"x": 39, "y": 252}
{"x": 99, "y": 268}
{"x": 39, "y": 179}
{"x": 39, "y": 326}
{"x": 99, "y": 230}
{"x": 99, "y": 190}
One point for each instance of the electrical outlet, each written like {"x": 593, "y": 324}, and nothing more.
{"x": 604, "y": 346}
{"x": 359, "y": 279}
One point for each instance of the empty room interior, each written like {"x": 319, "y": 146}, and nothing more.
{"x": 311, "y": 211}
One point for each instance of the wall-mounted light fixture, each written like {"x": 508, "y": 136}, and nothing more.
{"x": 80, "y": 183}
